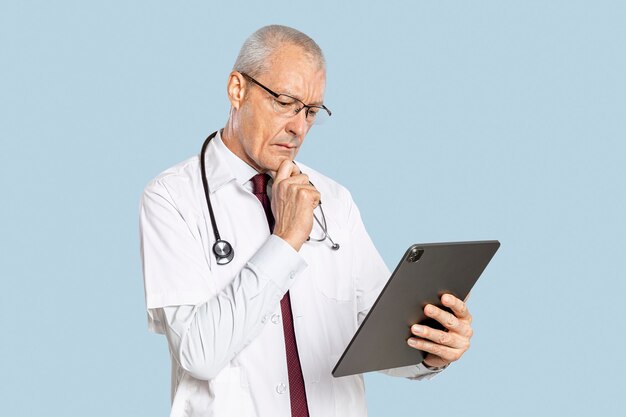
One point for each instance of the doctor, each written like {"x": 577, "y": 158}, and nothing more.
{"x": 258, "y": 335}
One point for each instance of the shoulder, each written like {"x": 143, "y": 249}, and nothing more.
{"x": 177, "y": 183}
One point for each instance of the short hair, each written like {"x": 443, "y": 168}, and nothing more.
{"x": 257, "y": 50}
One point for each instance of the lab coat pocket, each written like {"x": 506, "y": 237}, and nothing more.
{"x": 225, "y": 395}
{"x": 331, "y": 270}
{"x": 230, "y": 393}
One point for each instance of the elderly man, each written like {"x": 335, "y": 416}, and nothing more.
{"x": 255, "y": 325}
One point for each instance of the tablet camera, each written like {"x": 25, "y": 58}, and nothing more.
{"x": 415, "y": 255}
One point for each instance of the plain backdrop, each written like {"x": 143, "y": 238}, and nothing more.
{"x": 452, "y": 120}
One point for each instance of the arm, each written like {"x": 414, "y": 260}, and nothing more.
{"x": 204, "y": 334}
{"x": 204, "y": 338}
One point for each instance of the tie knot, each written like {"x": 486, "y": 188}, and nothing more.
{"x": 259, "y": 183}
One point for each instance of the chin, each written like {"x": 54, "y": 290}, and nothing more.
{"x": 274, "y": 163}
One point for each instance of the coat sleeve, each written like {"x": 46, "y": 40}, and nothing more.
{"x": 205, "y": 334}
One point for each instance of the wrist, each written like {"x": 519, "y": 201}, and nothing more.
{"x": 434, "y": 367}
{"x": 296, "y": 244}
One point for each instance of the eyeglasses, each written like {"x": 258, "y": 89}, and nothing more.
{"x": 288, "y": 106}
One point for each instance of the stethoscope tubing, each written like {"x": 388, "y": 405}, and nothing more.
{"x": 222, "y": 249}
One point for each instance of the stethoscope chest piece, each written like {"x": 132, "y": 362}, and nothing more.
{"x": 223, "y": 252}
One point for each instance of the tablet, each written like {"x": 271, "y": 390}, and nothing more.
{"x": 423, "y": 275}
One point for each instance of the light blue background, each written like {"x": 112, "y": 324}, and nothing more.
{"x": 453, "y": 120}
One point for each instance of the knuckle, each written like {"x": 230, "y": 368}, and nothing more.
{"x": 463, "y": 307}
{"x": 463, "y": 345}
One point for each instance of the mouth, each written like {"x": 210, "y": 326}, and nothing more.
{"x": 286, "y": 146}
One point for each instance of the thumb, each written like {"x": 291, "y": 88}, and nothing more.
{"x": 286, "y": 169}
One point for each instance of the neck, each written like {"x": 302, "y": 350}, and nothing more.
{"x": 232, "y": 142}
{"x": 227, "y": 135}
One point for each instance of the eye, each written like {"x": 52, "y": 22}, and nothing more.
{"x": 283, "y": 103}
{"x": 284, "y": 100}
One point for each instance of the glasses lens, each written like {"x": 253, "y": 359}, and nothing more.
{"x": 286, "y": 106}
{"x": 317, "y": 115}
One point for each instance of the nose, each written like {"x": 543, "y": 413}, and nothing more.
{"x": 297, "y": 125}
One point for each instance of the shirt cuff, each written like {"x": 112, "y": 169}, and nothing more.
{"x": 279, "y": 262}
{"x": 416, "y": 372}
{"x": 425, "y": 372}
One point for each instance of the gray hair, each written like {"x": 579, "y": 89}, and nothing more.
{"x": 257, "y": 50}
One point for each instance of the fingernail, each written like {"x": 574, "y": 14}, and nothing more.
{"x": 412, "y": 342}
{"x": 417, "y": 328}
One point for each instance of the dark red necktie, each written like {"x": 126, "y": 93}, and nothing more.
{"x": 297, "y": 393}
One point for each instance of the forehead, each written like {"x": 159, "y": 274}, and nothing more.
{"x": 292, "y": 71}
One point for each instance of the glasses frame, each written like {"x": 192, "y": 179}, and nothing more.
{"x": 276, "y": 95}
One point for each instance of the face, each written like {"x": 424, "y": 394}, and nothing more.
{"x": 255, "y": 132}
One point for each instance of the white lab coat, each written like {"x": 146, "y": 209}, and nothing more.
{"x": 226, "y": 341}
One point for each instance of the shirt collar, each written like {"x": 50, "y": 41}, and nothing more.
{"x": 240, "y": 169}
{"x": 222, "y": 166}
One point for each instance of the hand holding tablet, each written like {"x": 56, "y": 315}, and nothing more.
{"x": 415, "y": 295}
{"x": 448, "y": 345}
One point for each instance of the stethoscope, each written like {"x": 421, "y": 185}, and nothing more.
{"x": 222, "y": 249}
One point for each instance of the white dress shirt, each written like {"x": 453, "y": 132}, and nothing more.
{"x": 223, "y": 322}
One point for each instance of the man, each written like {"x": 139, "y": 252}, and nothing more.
{"x": 259, "y": 335}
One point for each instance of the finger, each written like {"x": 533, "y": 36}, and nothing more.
{"x": 449, "y": 321}
{"x": 309, "y": 193}
{"x": 444, "y": 352}
{"x": 296, "y": 179}
{"x": 449, "y": 339}
{"x": 298, "y": 188}
{"x": 285, "y": 170}
{"x": 457, "y": 306}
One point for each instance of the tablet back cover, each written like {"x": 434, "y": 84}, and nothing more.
{"x": 423, "y": 275}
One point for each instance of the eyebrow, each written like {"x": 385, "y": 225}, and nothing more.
{"x": 315, "y": 103}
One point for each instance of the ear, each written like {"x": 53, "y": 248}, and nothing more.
{"x": 236, "y": 89}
